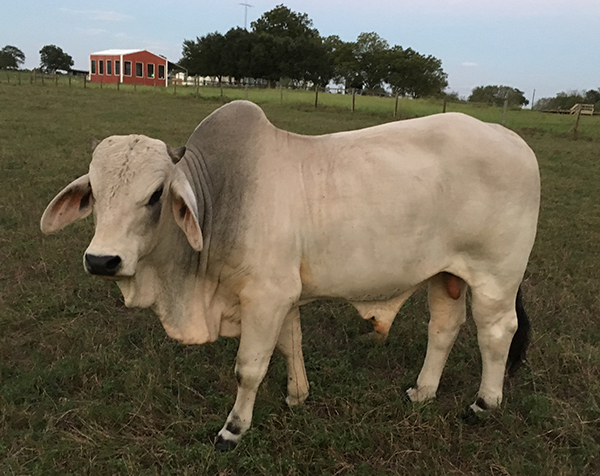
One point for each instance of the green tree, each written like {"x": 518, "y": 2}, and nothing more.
{"x": 370, "y": 53}
{"x": 316, "y": 65}
{"x": 592, "y": 96}
{"x": 412, "y": 74}
{"x": 282, "y": 22}
{"x": 268, "y": 56}
{"x": 496, "y": 95}
{"x": 53, "y": 58}
{"x": 205, "y": 56}
{"x": 237, "y": 53}
{"x": 566, "y": 100}
{"x": 287, "y": 45}
{"x": 11, "y": 57}
{"x": 345, "y": 65}
{"x": 452, "y": 96}
{"x": 359, "y": 64}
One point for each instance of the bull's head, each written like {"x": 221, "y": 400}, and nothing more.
{"x": 132, "y": 182}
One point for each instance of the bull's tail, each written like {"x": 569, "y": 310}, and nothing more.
{"x": 521, "y": 339}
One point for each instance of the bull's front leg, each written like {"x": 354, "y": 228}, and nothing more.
{"x": 261, "y": 326}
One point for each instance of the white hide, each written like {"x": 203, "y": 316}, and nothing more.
{"x": 255, "y": 221}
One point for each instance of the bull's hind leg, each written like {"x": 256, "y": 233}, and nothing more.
{"x": 290, "y": 345}
{"x": 496, "y": 318}
{"x": 447, "y": 305}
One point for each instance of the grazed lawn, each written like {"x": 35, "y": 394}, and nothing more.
{"x": 90, "y": 387}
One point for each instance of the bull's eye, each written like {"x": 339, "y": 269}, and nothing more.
{"x": 154, "y": 199}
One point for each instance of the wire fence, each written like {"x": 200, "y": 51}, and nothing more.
{"x": 575, "y": 126}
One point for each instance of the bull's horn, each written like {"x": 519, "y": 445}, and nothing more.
{"x": 94, "y": 143}
{"x": 176, "y": 154}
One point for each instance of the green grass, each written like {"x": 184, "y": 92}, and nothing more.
{"x": 90, "y": 387}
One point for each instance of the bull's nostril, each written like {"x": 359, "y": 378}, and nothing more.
{"x": 114, "y": 263}
{"x": 102, "y": 265}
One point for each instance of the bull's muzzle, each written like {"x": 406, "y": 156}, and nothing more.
{"x": 102, "y": 265}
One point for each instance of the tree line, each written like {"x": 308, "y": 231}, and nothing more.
{"x": 498, "y": 96}
{"x": 566, "y": 100}
{"x": 284, "y": 46}
{"x": 52, "y": 58}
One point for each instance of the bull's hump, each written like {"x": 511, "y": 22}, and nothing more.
{"x": 236, "y": 113}
{"x": 236, "y": 122}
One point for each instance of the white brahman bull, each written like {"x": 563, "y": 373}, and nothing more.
{"x": 230, "y": 235}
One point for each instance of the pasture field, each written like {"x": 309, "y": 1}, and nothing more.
{"x": 88, "y": 387}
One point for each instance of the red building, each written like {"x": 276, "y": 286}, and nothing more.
{"x": 129, "y": 67}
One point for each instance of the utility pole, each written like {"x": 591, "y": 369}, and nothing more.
{"x": 246, "y": 6}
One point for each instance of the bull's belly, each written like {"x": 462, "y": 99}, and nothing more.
{"x": 365, "y": 280}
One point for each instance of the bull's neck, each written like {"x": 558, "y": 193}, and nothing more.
{"x": 184, "y": 291}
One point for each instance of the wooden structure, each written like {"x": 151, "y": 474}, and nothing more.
{"x": 585, "y": 109}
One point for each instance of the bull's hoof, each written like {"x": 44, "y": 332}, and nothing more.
{"x": 476, "y": 413}
{"x": 296, "y": 400}
{"x": 223, "y": 445}
{"x": 420, "y": 394}
{"x": 471, "y": 417}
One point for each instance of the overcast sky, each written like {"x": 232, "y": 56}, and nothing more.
{"x": 546, "y": 45}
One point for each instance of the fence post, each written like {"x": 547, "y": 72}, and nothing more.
{"x": 174, "y": 88}
{"x": 576, "y": 127}
{"x": 504, "y": 109}
{"x": 353, "y": 98}
{"x": 85, "y": 82}
{"x": 396, "y": 105}
{"x": 316, "y": 95}
{"x": 444, "y": 107}
{"x": 118, "y": 85}
{"x": 69, "y": 81}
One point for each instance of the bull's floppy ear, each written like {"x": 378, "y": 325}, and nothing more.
{"x": 72, "y": 203}
{"x": 185, "y": 210}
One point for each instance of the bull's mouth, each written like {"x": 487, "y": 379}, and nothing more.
{"x": 115, "y": 278}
